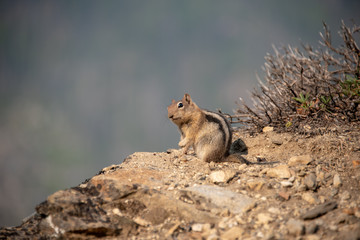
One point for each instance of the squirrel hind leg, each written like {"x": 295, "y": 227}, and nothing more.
{"x": 212, "y": 156}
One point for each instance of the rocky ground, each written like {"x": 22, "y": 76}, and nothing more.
{"x": 312, "y": 192}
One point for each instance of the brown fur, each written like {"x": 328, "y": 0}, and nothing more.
{"x": 206, "y": 137}
{"x": 207, "y": 132}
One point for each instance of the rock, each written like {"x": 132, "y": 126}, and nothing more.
{"x": 276, "y": 140}
{"x": 268, "y": 129}
{"x": 110, "y": 168}
{"x": 213, "y": 235}
{"x": 291, "y": 179}
{"x": 255, "y": 185}
{"x": 356, "y": 163}
{"x": 301, "y": 188}
{"x": 320, "y": 176}
{"x": 233, "y": 233}
{"x": 208, "y": 231}
{"x": 349, "y": 211}
{"x": 223, "y": 223}
{"x": 337, "y": 181}
{"x": 300, "y": 160}
{"x": 141, "y": 221}
{"x": 352, "y": 211}
{"x": 286, "y": 184}
{"x": 319, "y": 210}
{"x": 327, "y": 176}
{"x": 242, "y": 167}
{"x": 264, "y": 218}
{"x": 260, "y": 235}
{"x": 225, "y": 213}
{"x": 227, "y": 222}
{"x": 284, "y": 195}
{"x": 156, "y": 215}
{"x": 312, "y": 237}
{"x": 334, "y": 192}
{"x": 310, "y": 181}
{"x": 250, "y": 207}
{"x": 155, "y": 195}
{"x": 345, "y": 196}
{"x": 312, "y": 228}
{"x": 197, "y": 227}
{"x": 218, "y": 197}
{"x": 310, "y": 198}
{"x": 281, "y": 171}
{"x": 307, "y": 127}
{"x": 340, "y": 218}
{"x": 357, "y": 212}
{"x": 301, "y": 173}
{"x": 170, "y": 150}
{"x": 351, "y": 234}
{"x": 295, "y": 227}
{"x": 274, "y": 210}
{"x": 65, "y": 212}
{"x": 217, "y": 177}
{"x": 222, "y": 176}
{"x": 172, "y": 229}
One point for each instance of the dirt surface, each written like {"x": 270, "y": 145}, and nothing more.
{"x": 312, "y": 192}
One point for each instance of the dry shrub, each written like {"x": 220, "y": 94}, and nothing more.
{"x": 312, "y": 88}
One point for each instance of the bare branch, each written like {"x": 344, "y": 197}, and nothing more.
{"x": 308, "y": 82}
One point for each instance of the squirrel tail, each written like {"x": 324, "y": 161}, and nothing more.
{"x": 238, "y": 147}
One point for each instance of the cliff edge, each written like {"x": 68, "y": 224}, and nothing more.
{"x": 312, "y": 193}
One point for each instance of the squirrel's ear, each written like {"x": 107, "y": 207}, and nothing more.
{"x": 187, "y": 98}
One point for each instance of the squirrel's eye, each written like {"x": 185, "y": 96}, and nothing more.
{"x": 180, "y": 105}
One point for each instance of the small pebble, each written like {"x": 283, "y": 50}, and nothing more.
{"x": 286, "y": 184}
{"x": 337, "y": 181}
{"x": 197, "y": 227}
{"x": 295, "y": 227}
{"x": 310, "y": 181}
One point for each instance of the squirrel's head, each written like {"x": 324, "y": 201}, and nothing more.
{"x": 181, "y": 111}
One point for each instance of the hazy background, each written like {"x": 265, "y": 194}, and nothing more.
{"x": 83, "y": 84}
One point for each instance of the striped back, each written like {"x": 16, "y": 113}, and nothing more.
{"x": 224, "y": 126}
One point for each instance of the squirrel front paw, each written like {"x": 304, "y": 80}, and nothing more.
{"x": 185, "y": 150}
{"x": 182, "y": 143}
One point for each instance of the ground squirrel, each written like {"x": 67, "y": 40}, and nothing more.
{"x": 209, "y": 133}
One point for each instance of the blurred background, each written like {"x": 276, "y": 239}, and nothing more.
{"x": 83, "y": 84}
